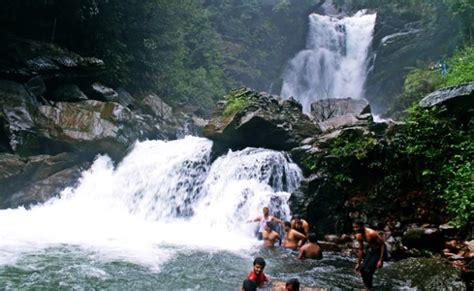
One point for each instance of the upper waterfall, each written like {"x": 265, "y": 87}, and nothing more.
{"x": 334, "y": 63}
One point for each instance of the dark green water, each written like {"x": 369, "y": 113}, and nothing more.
{"x": 72, "y": 268}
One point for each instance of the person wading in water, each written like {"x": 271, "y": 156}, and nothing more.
{"x": 270, "y": 236}
{"x": 373, "y": 257}
{"x": 292, "y": 237}
{"x": 266, "y": 217}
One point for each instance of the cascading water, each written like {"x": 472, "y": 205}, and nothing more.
{"x": 161, "y": 193}
{"x": 334, "y": 63}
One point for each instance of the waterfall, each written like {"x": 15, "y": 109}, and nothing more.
{"x": 162, "y": 193}
{"x": 334, "y": 62}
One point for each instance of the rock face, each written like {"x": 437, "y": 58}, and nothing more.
{"x": 55, "y": 117}
{"x": 250, "y": 119}
{"x": 35, "y": 179}
{"x": 401, "y": 39}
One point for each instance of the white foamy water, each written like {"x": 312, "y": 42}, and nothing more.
{"x": 162, "y": 198}
{"x": 334, "y": 63}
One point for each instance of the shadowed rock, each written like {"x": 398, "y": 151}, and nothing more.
{"x": 36, "y": 179}
{"x": 250, "y": 119}
{"x": 458, "y": 97}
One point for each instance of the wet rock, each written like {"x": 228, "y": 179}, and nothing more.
{"x": 331, "y": 238}
{"x": 126, "y": 99}
{"x": 105, "y": 125}
{"x": 448, "y": 230}
{"x": 157, "y": 107}
{"x": 426, "y": 273}
{"x": 423, "y": 238}
{"x": 330, "y": 246}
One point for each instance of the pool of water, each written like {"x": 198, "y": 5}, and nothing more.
{"x": 75, "y": 268}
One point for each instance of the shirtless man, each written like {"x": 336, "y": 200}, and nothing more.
{"x": 266, "y": 217}
{"x": 292, "y": 236}
{"x": 270, "y": 236}
{"x": 301, "y": 226}
{"x": 311, "y": 250}
{"x": 374, "y": 257}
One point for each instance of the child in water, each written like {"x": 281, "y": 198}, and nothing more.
{"x": 257, "y": 273}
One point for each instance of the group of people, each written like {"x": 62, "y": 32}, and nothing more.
{"x": 298, "y": 238}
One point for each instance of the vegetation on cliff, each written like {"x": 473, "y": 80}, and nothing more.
{"x": 421, "y": 171}
{"x": 428, "y": 77}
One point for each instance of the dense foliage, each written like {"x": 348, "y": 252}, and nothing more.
{"x": 189, "y": 52}
{"x": 460, "y": 9}
{"x": 427, "y": 78}
{"x": 441, "y": 151}
{"x": 422, "y": 171}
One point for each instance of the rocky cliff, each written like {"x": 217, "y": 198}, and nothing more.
{"x": 55, "y": 117}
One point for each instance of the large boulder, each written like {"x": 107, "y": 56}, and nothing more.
{"x": 250, "y": 119}
{"x": 106, "y": 126}
{"x": 324, "y": 109}
{"x": 456, "y": 98}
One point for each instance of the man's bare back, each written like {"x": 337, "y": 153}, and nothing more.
{"x": 311, "y": 250}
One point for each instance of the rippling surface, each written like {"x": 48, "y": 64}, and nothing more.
{"x": 74, "y": 268}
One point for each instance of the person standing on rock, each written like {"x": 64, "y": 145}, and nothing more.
{"x": 373, "y": 256}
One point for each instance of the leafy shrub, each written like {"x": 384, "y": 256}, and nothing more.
{"x": 461, "y": 68}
